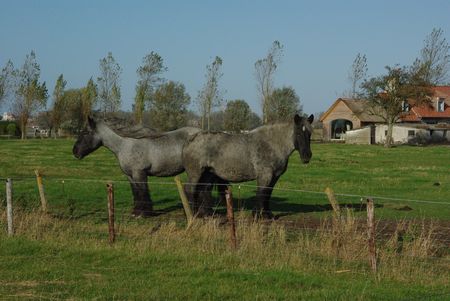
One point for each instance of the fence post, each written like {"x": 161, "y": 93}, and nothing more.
{"x": 371, "y": 235}
{"x": 41, "y": 191}
{"x": 337, "y": 231}
{"x": 230, "y": 217}
{"x": 333, "y": 202}
{"x": 112, "y": 233}
{"x": 9, "y": 207}
{"x": 184, "y": 200}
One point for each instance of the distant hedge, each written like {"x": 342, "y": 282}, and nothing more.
{"x": 9, "y": 128}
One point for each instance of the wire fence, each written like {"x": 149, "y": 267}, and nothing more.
{"x": 77, "y": 198}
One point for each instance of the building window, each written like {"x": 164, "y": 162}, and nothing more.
{"x": 440, "y": 105}
{"x": 411, "y": 133}
{"x": 405, "y": 106}
{"x": 385, "y": 133}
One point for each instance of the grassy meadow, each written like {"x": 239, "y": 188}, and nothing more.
{"x": 65, "y": 254}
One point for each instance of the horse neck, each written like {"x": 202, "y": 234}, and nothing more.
{"x": 110, "y": 139}
{"x": 281, "y": 136}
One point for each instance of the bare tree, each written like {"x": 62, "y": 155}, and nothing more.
{"x": 149, "y": 74}
{"x": 109, "y": 84}
{"x": 385, "y": 95}
{"x": 434, "y": 61}
{"x": 264, "y": 71}
{"x": 210, "y": 95}
{"x": 357, "y": 73}
{"x": 30, "y": 94}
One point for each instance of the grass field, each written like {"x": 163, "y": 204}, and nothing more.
{"x": 406, "y": 173}
{"x": 65, "y": 255}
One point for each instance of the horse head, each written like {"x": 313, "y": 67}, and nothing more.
{"x": 88, "y": 141}
{"x": 302, "y": 137}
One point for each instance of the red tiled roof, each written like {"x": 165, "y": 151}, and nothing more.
{"x": 442, "y": 91}
{"x": 429, "y": 110}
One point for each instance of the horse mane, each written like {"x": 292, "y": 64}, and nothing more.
{"x": 127, "y": 129}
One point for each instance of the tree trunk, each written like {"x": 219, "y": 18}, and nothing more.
{"x": 389, "y": 140}
{"x": 23, "y": 129}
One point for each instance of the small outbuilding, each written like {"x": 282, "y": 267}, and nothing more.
{"x": 346, "y": 114}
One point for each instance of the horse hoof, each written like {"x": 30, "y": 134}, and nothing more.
{"x": 267, "y": 215}
{"x": 138, "y": 213}
{"x": 204, "y": 213}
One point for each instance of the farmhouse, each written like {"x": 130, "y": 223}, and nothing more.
{"x": 349, "y": 120}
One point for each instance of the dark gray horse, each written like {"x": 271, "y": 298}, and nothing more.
{"x": 153, "y": 155}
{"x": 260, "y": 155}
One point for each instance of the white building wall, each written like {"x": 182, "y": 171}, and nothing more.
{"x": 400, "y": 134}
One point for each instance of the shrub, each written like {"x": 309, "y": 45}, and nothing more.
{"x": 11, "y": 129}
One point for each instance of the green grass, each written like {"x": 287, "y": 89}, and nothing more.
{"x": 69, "y": 259}
{"x": 409, "y": 173}
{"x": 65, "y": 255}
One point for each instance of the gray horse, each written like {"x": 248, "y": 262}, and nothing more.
{"x": 152, "y": 155}
{"x": 260, "y": 155}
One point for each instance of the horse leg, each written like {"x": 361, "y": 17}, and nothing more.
{"x": 222, "y": 186}
{"x": 205, "y": 200}
{"x": 143, "y": 205}
{"x": 263, "y": 194}
{"x": 191, "y": 188}
{"x": 205, "y": 187}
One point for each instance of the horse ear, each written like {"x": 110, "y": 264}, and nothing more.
{"x": 311, "y": 118}
{"x": 91, "y": 122}
{"x": 297, "y": 119}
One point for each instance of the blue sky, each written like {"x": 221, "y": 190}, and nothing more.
{"x": 320, "y": 38}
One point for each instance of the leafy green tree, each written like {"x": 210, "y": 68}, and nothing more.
{"x": 149, "y": 74}
{"x": 264, "y": 71}
{"x": 433, "y": 65}
{"x": 11, "y": 129}
{"x": 7, "y": 74}
{"x": 88, "y": 100}
{"x": 58, "y": 110}
{"x": 30, "y": 93}
{"x": 109, "y": 85}
{"x": 254, "y": 121}
{"x": 169, "y": 106}
{"x": 210, "y": 95}
{"x": 283, "y": 104}
{"x": 73, "y": 119}
{"x": 237, "y": 116}
{"x": 386, "y": 93}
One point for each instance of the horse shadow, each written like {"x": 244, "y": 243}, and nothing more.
{"x": 286, "y": 208}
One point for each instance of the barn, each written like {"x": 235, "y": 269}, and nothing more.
{"x": 348, "y": 119}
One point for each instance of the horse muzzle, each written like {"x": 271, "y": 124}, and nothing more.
{"x": 76, "y": 153}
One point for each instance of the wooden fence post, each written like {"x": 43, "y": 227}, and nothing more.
{"x": 9, "y": 207}
{"x": 230, "y": 217}
{"x": 336, "y": 220}
{"x": 333, "y": 202}
{"x": 184, "y": 200}
{"x": 371, "y": 235}
{"x": 112, "y": 233}
{"x": 41, "y": 191}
